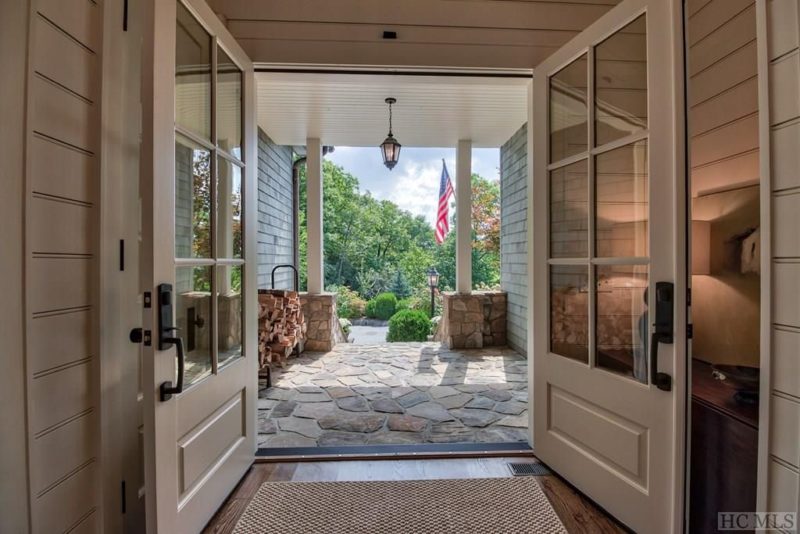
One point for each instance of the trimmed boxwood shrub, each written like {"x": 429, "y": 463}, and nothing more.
{"x": 409, "y": 325}
{"x": 382, "y": 307}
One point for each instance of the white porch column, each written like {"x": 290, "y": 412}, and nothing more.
{"x": 464, "y": 217}
{"x": 316, "y": 273}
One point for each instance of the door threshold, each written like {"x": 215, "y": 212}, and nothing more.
{"x": 392, "y": 452}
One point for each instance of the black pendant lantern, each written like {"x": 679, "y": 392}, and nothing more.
{"x": 390, "y": 148}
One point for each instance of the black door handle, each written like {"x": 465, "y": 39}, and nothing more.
{"x": 167, "y": 390}
{"x": 167, "y": 338}
{"x": 663, "y": 332}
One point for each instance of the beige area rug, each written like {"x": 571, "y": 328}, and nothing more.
{"x": 487, "y": 505}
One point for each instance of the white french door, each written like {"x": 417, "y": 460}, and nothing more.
{"x": 608, "y": 261}
{"x": 198, "y": 243}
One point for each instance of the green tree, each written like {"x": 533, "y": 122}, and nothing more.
{"x": 400, "y": 286}
{"x": 370, "y": 244}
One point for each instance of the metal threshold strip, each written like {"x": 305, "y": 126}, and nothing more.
{"x": 393, "y": 452}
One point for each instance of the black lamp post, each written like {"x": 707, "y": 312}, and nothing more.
{"x": 433, "y": 283}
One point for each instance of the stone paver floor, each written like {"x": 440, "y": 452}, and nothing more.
{"x": 395, "y": 393}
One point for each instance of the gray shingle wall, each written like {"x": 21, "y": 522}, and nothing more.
{"x": 274, "y": 212}
{"x": 513, "y": 238}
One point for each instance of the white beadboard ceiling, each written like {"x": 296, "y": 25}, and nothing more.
{"x": 349, "y": 109}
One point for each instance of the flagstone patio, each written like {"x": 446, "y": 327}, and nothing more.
{"x": 396, "y": 393}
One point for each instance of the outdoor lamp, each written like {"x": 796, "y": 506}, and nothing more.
{"x": 433, "y": 283}
{"x": 390, "y": 148}
{"x": 433, "y": 278}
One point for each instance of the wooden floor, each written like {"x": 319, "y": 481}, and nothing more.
{"x": 577, "y": 513}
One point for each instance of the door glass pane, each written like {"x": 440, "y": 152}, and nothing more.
{"x": 193, "y": 318}
{"x": 621, "y": 83}
{"x": 569, "y": 120}
{"x": 192, "y": 75}
{"x": 621, "y": 216}
{"x": 569, "y": 311}
{"x": 622, "y": 324}
{"x": 229, "y": 210}
{"x": 569, "y": 211}
{"x": 192, "y": 200}
{"x": 229, "y": 313}
{"x": 229, "y": 105}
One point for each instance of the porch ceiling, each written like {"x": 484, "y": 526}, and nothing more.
{"x": 349, "y": 109}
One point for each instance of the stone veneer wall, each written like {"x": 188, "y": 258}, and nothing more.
{"x": 513, "y": 235}
{"x": 275, "y": 217}
{"x": 473, "y": 321}
{"x": 324, "y": 330}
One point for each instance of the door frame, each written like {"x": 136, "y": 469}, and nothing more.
{"x": 120, "y": 310}
{"x": 159, "y": 130}
{"x": 538, "y": 232}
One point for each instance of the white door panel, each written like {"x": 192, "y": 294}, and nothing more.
{"x": 608, "y": 208}
{"x": 198, "y": 186}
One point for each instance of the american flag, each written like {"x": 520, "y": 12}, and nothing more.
{"x": 442, "y": 217}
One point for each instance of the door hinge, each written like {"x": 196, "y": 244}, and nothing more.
{"x": 121, "y": 254}
{"x": 689, "y": 331}
{"x": 122, "y": 491}
{"x": 125, "y": 16}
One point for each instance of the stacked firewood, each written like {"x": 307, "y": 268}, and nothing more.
{"x": 281, "y": 327}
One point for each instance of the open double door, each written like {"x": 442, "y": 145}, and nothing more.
{"x": 607, "y": 259}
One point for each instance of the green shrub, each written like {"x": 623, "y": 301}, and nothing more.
{"x": 348, "y": 303}
{"x": 403, "y": 304}
{"x": 409, "y": 325}
{"x": 369, "y": 309}
{"x": 382, "y": 306}
{"x": 420, "y": 300}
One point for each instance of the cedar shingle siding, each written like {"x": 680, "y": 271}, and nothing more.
{"x": 513, "y": 238}
{"x": 274, "y": 212}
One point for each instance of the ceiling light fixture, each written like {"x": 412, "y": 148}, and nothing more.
{"x": 390, "y": 148}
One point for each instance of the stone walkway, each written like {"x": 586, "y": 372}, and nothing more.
{"x": 395, "y": 393}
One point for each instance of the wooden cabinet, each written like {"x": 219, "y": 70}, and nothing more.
{"x": 723, "y": 452}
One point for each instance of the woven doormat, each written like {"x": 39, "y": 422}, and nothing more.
{"x": 490, "y": 505}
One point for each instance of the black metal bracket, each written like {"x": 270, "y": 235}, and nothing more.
{"x": 290, "y": 266}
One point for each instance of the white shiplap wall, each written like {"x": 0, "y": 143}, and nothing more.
{"x": 779, "y": 59}
{"x": 723, "y": 95}
{"x": 61, "y": 248}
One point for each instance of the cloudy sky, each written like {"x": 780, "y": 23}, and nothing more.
{"x": 414, "y": 183}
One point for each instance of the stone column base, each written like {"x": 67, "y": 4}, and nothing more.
{"x": 473, "y": 321}
{"x": 324, "y": 331}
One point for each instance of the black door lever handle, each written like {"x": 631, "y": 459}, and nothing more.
{"x": 663, "y": 332}
{"x": 167, "y": 338}
{"x": 167, "y": 390}
{"x": 662, "y": 381}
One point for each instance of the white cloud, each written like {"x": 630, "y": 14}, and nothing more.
{"x": 417, "y": 188}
